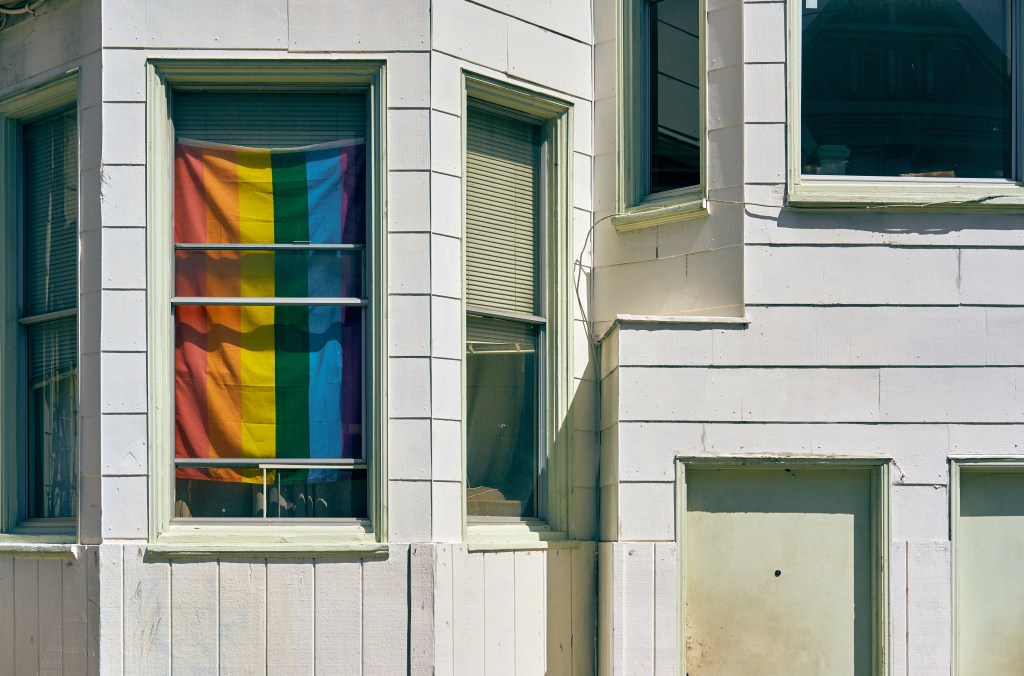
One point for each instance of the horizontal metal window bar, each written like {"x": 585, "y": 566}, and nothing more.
{"x": 224, "y": 300}
{"x": 272, "y": 463}
{"x": 295, "y": 246}
{"x": 48, "y": 316}
{"x": 509, "y": 316}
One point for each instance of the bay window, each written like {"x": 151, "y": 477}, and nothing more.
{"x": 924, "y": 96}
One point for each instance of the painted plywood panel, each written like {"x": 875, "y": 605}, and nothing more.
{"x": 7, "y": 616}
{"x": 778, "y": 574}
{"x": 194, "y": 622}
{"x": 990, "y": 588}
{"x": 290, "y": 616}
{"x": 243, "y": 612}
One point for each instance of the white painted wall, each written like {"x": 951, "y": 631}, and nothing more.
{"x": 871, "y": 333}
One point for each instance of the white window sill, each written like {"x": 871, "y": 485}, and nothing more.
{"x": 39, "y": 546}
{"x": 658, "y": 212}
{"x": 498, "y": 537}
{"x": 907, "y": 194}
{"x": 260, "y": 541}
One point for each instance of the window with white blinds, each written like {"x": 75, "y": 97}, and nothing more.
{"x": 505, "y": 322}
{"x": 49, "y": 290}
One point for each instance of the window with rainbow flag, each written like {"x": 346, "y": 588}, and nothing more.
{"x": 270, "y": 296}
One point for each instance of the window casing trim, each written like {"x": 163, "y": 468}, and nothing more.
{"x": 556, "y": 222}
{"x": 913, "y": 194}
{"x": 40, "y": 537}
{"x": 636, "y": 208}
{"x": 224, "y": 537}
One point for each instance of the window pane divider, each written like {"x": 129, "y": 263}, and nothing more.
{"x": 225, "y": 300}
{"x": 48, "y": 316}
{"x": 272, "y": 463}
{"x": 295, "y": 246}
{"x": 509, "y": 316}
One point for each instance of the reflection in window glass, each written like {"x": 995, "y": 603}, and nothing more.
{"x": 50, "y": 285}
{"x": 912, "y": 88}
{"x": 674, "y": 85}
{"x": 501, "y": 414}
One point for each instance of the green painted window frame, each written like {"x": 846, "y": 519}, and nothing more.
{"x": 894, "y": 193}
{"x": 36, "y": 539}
{"x": 636, "y": 208}
{"x": 555, "y": 482}
{"x": 880, "y": 539}
{"x": 958, "y": 465}
{"x": 167, "y": 538}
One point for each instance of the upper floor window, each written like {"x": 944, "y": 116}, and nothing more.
{"x": 518, "y": 355}
{"x": 908, "y": 89}
{"x": 662, "y": 99}
{"x": 267, "y": 409}
{"x": 39, "y": 306}
{"x": 918, "y": 103}
{"x": 672, "y": 76}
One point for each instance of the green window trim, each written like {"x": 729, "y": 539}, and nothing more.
{"x": 899, "y": 194}
{"x": 636, "y": 207}
{"x": 37, "y": 537}
{"x": 225, "y": 538}
{"x": 556, "y": 115}
{"x": 880, "y": 469}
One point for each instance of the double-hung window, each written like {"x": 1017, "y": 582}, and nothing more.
{"x": 915, "y": 103}
{"x": 662, "y": 102}
{"x": 39, "y": 303}
{"x": 516, "y": 297}
{"x": 271, "y": 252}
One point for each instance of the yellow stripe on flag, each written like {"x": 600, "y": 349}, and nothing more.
{"x": 256, "y": 213}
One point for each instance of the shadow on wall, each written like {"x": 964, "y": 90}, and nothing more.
{"x": 895, "y": 221}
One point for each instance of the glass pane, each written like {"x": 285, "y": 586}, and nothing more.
{"x": 265, "y": 274}
{"x": 674, "y": 104}
{"x": 53, "y": 419}
{"x": 295, "y": 494}
{"x": 502, "y": 420}
{"x": 914, "y": 88}
{"x": 51, "y": 214}
{"x": 265, "y": 382}
{"x": 236, "y": 195}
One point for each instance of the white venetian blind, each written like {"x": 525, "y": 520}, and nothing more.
{"x": 270, "y": 119}
{"x": 502, "y": 197}
{"x": 50, "y": 151}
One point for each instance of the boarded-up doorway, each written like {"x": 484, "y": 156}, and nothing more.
{"x": 780, "y": 570}
{"x": 989, "y": 540}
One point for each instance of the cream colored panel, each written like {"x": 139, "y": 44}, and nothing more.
{"x": 777, "y": 572}
{"x": 990, "y": 584}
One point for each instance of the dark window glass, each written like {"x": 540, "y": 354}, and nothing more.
{"x": 50, "y": 285}
{"x": 674, "y": 90}
{"x": 913, "y": 88}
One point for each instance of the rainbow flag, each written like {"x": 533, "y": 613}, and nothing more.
{"x": 268, "y": 381}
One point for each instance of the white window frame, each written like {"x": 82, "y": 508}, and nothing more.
{"x": 36, "y": 538}
{"x": 171, "y": 538}
{"x": 843, "y": 192}
{"x": 636, "y": 206}
{"x": 552, "y": 526}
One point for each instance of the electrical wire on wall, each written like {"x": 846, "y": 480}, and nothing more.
{"x": 9, "y": 8}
